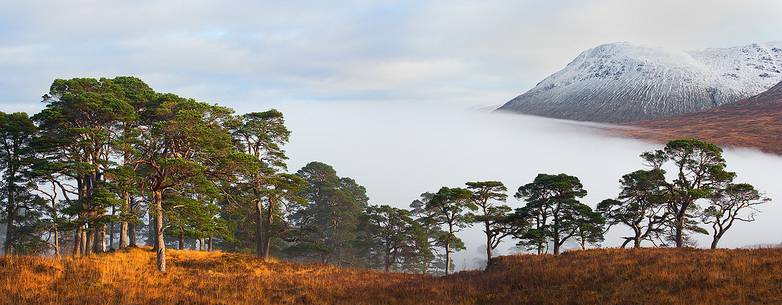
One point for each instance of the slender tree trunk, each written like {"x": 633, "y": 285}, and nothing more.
{"x": 715, "y": 241}
{"x": 488, "y": 245}
{"x": 259, "y": 228}
{"x": 209, "y": 244}
{"x": 637, "y": 242}
{"x": 100, "y": 239}
{"x": 56, "y": 241}
{"x": 447, "y": 257}
{"x": 679, "y": 227}
{"x": 160, "y": 240}
{"x": 181, "y": 245}
{"x": 679, "y": 237}
{"x": 132, "y": 234}
{"x": 123, "y": 227}
{"x": 152, "y": 234}
{"x": 77, "y": 242}
{"x": 89, "y": 244}
{"x": 267, "y": 236}
{"x": 111, "y": 236}
{"x": 84, "y": 249}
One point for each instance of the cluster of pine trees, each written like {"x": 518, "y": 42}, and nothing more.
{"x": 110, "y": 164}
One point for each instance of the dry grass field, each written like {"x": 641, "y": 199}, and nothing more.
{"x": 609, "y": 276}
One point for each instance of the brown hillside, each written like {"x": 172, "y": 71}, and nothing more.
{"x": 613, "y": 276}
{"x": 755, "y": 122}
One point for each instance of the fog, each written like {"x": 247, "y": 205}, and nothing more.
{"x": 400, "y": 150}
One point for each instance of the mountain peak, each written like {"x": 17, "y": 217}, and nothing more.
{"x": 622, "y": 81}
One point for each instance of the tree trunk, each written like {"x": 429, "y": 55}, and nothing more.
{"x": 89, "y": 242}
{"x": 152, "y": 234}
{"x": 56, "y": 241}
{"x": 556, "y": 246}
{"x": 715, "y": 241}
{"x": 209, "y": 244}
{"x": 679, "y": 228}
{"x": 131, "y": 234}
{"x": 160, "y": 241}
{"x": 84, "y": 249}
{"x": 181, "y": 245}
{"x": 111, "y": 236}
{"x": 123, "y": 227}
{"x": 447, "y": 257}
{"x": 637, "y": 243}
{"x": 77, "y": 242}
{"x": 679, "y": 237}
{"x": 259, "y": 228}
{"x": 267, "y": 226}
{"x": 100, "y": 239}
{"x": 488, "y": 245}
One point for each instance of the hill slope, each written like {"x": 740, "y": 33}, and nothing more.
{"x": 613, "y": 276}
{"x": 755, "y": 122}
{"x": 622, "y": 82}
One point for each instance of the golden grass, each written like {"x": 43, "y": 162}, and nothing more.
{"x": 610, "y": 276}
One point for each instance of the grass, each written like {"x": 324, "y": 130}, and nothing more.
{"x": 608, "y": 276}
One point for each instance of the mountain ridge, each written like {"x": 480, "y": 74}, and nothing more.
{"x": 623, "y": 82}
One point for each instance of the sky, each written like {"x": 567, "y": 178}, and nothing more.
{"x": 250, "y": 54}
{"x": 393, "y": 93}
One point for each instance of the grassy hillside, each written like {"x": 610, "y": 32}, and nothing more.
{"x": 646, "y": 276}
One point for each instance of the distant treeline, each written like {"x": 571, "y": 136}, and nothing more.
{"x": 110, "y": 163}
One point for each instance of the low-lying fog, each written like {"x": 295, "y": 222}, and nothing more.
{"x": 398, "y": 151}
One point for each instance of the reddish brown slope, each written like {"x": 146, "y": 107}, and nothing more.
{"x": 755, "y": 122}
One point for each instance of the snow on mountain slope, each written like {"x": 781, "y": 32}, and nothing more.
{"x": 622, "y": 82}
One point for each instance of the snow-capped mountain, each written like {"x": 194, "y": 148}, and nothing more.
{"x": 623, "y": 82}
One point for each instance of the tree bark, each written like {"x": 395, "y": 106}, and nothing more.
{"x": 132, "y": 234}
{"x": 209, "y": 244}
{"x": 89, "y": 241}
{"x": 160, "y": 241}
{"x": 123, "y": 227}
{"x": 56, "y": 241}
{"x": 77, "y": 242}
{"x": 84, "y": 250}
{"x": 447, "y": 257}
{"x": 267, "y": 236}
{"x": 111, "y": 236}
{"x": 259, "y": 228}
{"x": 715, "y": 241}
{"x": 152, "y": 234}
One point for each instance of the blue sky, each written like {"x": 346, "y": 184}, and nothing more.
{"x": 251, "y": 54}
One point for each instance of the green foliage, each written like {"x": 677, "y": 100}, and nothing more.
{"x": 554, "y": 212}
{"x": 326, "y": 229}
{"x": 23, "y": 212}
{"x": 699, "y": 170}
{"x": 641, "y": 205}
